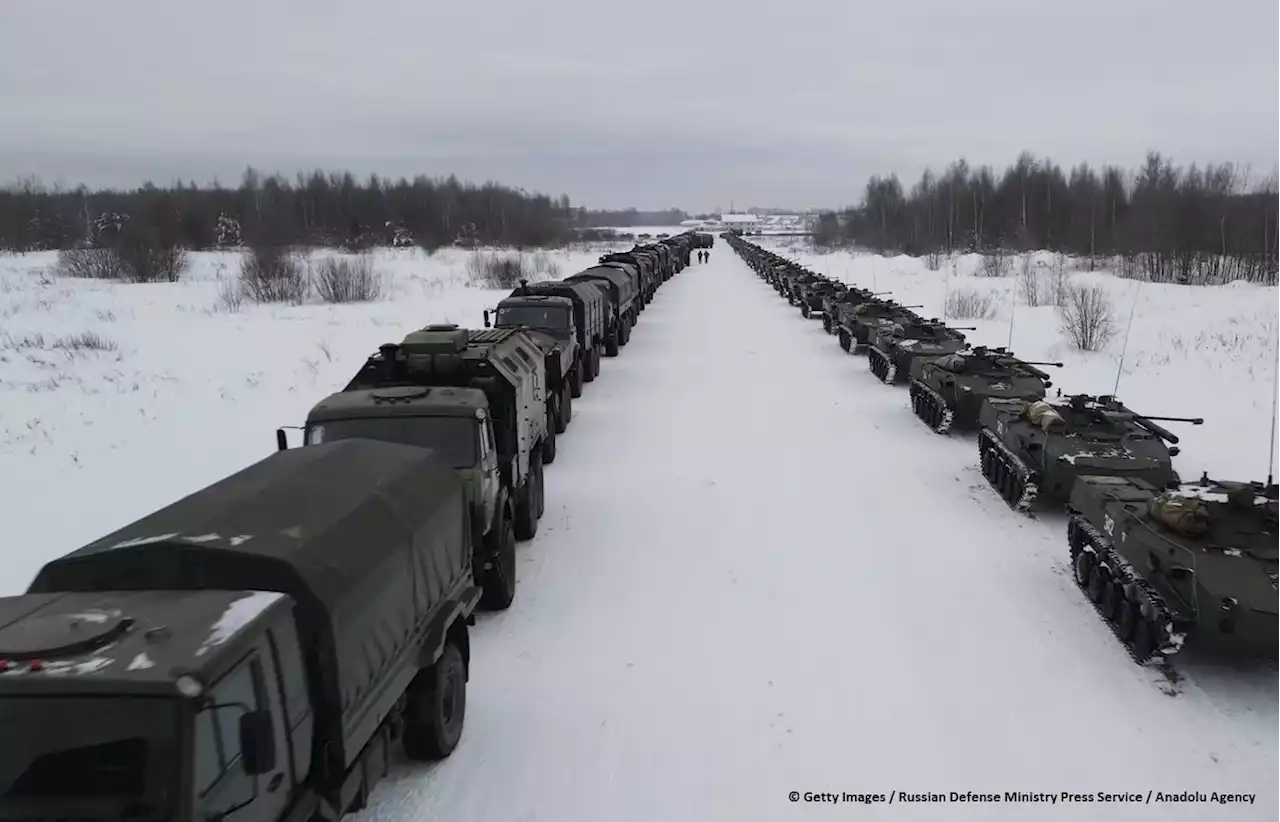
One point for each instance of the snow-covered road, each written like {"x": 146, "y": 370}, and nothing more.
{"x": 759, "y": 573}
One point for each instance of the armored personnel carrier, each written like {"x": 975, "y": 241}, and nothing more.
{"x": 1032, "y": 449}
{"x": 893, "y": 348}
{"x": 1194, "y": 562}
{"x": 854, "y": 326}
{"x": 814, "y": 294}
{"x": 949, "y": 390}
{"x": 843, "y": 299}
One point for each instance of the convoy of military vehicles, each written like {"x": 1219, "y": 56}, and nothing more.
{"x": 1162, "y": 560}
{"x": 253, "y": 650}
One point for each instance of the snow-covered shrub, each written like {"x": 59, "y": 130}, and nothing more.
{"x": 347, "y": 279}
{"x": 272, "y": 274}
{"x": 493, "y": 270}
{"x": 90, "y": 264}
{"x": 1087, "y": 317}
{"x": 970, "y": 304}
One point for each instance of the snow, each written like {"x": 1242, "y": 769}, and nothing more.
{"x": 141, "y": 662}
{"x": 758, "y": 572}
{"x": 238, "y": 614}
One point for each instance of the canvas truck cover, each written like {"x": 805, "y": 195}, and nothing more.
{"x": 623, "y": 287}
{"x": 370, "y": 539}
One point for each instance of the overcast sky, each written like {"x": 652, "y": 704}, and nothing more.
{"x": 662, "y": 103}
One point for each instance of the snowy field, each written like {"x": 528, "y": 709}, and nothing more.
{"x": 758, "y": 572}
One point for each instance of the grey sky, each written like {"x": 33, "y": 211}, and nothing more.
{"x": 651, "y": 104}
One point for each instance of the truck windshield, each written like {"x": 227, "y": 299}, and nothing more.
{"x": 454, "y": 439}
{"x": 91, "y": 758}
{"x": 555, "y": 320}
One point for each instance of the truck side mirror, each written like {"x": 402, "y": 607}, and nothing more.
{"x": 282, "y": 441}
{"x": 486, "y": 318}
{"x": 257, "y": 742}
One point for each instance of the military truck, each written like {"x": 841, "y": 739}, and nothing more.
{"x": 475, "y": 397}
{"x": 894, "y": 347}
{"x": 856, "y": 324}
{"x": 590, "y": 319}
{"x": 1194, "y": 562}
{"x": 1033, "y": 449}
{"x": 548, "y": 321}
{"x": 622, "y": 289}
{"x": 641, "y": 266}
{"x": 249, "y": 652}
{"x": 950, "y": 389}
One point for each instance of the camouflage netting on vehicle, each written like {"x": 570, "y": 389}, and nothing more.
{"x": 1185, "y": 515}
{"x": 1044, "y": 415}
{"x": 952, "y": 362}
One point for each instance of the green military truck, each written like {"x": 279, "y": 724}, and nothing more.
{"x": 250, "y": 652}
{"x": 476, "y": 397}
{"x": 549, "y": 321}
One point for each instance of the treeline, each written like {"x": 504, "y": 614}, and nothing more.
{"x": 1163, "y": 222}
{"x": 321, "y": 209}
{"x": 628, "y": 217}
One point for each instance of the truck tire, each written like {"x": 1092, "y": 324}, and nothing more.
{"x": 437, "y": 707}
{"x": 553, "y": 424}
{"x": 576, "y": 379}
{"x": 566, "y": 409}
{"x": 611, "y": 344}
{"x": 626, "y": 331}
{"x": 527, "y": 503}
{"x": 498, "y": 585}
{"x": 548, "y": 448}
{"x": 597, "y": 357}
{"x": 589, "y": 365}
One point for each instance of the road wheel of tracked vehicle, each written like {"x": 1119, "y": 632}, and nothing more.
{"x": 846, "y": 342}
{"x": 826, "y": 325}
{"x": 549, "y": 441}
{"x": 566, "y": 409}
{"x": 1112, "y": 599}
{"x": 1099, "y": 581}
{"x": 437, "y": 707}
{"x": 1127, "y": 619}
{"x": 498, "y": 584}
{"x": 527, "y": 504}
{"x": 576, "y": 379}
{"x": 1083, "y": 568}
{"x": 804, "y": 310}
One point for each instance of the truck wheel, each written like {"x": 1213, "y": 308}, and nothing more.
{"x": 596, "y": 357}
{"x": 549, "y": 441}
{"x": 437, "y": 707}
{"x": 566, "y": 409}
{"x": 575, "y": 379}
{"x": 626, "y": 331}
{"x": 611, "y": 344}
{"x": 527, "y": 505}
{"x": 589, "y": 365}
{"x": 498, "y": 586}
{"x": 542, "y": 492}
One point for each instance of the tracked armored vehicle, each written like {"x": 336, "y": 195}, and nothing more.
{"x": 1163, "y": 566}
{"x": 1038, "y": 449}
{"x": 813, "y": 297}
{"x": 839, "y": 305}
{"x": 894, "y": 348}
{"x": 949, "y": 390}
{"x": 856, "y": 324}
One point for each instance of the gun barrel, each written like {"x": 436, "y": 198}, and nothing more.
{"x": 1037, "y": 362}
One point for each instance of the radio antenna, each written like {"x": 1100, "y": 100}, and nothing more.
{"x": 946, "y": 291}
{"x": 1137, "y": 287}
{"x": 1013, "y": 309}
{"x": 1275, "y": 404}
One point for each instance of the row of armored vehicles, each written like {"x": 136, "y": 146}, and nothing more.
{"x": 256, "y": 649}
{"x": 1161, "y": 559}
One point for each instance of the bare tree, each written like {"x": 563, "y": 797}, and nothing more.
{"x": 1087, "y": 317}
